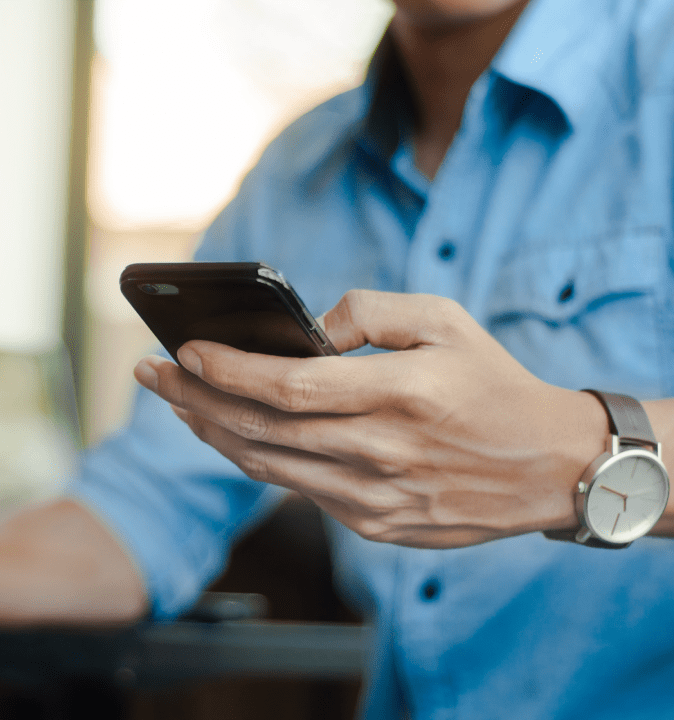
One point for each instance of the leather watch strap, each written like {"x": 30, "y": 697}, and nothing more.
{"x": 627, "y": 418}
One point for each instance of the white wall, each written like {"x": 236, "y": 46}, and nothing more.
{"x": 36, "y": 53}
{"x": 191, "y": 91}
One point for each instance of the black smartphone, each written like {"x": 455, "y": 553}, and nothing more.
{"x": 249, "y": 306}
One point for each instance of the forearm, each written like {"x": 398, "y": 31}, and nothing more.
{"x": 58, "y": 564}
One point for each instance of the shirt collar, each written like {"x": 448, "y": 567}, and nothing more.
{"x": 571, "y": 51}
{"x": 381, "y": 111}
{"x": 562, "y": 49}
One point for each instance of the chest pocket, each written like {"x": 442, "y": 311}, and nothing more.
{"x": 586, "y": 314}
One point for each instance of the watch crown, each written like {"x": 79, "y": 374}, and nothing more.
{"x": 582, "y": 487}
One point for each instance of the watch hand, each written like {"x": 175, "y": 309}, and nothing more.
{"x": 615, "y": 523}
{"x": 615, "y": 492}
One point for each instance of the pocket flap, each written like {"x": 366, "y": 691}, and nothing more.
{"x": 558, "y": 283}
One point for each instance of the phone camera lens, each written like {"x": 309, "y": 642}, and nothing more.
{"x": 149, "y": 289}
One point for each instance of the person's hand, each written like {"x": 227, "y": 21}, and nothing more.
{"x": 448, "y": 441}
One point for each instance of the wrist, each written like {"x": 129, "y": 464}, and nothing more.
{"x": 579, "y": 438}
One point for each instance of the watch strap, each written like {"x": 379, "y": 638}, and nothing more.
{"x": 627, "y": 418}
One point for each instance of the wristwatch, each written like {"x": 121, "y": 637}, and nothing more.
{"x": 623, "y": 493}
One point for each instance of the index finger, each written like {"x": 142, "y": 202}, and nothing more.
{"x": 313, "y": 385}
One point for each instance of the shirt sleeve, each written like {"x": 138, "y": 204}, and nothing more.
{"x": 172, "y": 501}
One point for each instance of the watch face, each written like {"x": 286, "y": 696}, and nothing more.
{"x": 626, "y": 496}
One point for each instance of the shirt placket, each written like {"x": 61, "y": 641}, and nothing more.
{"x": 422, "y": 619}
{"x": 440, "y": 250}
{"x": 438, "y": 263}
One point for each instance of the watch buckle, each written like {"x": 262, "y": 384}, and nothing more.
{"x": 616, "y": 444}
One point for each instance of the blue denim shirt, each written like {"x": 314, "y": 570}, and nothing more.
{"x": 550, "y": 220}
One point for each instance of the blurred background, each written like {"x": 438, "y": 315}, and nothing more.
{"x": 125, "y": 126}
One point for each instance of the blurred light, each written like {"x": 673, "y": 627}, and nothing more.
{"x": 190, "y": 92}
{"x": 36, "y": 54}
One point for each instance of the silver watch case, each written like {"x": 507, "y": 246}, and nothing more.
{"x": 615, "y": 453}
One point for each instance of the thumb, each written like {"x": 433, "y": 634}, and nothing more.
{"x": 393, "y": 321}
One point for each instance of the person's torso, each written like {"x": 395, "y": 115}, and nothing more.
{"x": 560, "y": 244}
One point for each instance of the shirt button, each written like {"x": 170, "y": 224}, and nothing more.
{"x": 447, "y": 251}
{"x": 567, "y": 292}
{"x": 430, "y": 589}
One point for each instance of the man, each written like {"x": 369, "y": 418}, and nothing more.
{"x": 516, "y": 159}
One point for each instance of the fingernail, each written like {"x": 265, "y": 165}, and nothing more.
{"x": 190, "y": 360}
{"x": 147, "y": 375}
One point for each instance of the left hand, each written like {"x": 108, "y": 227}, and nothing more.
{"x": 448, "y": 441}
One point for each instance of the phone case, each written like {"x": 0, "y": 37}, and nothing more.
{"x": 249, "y": 306}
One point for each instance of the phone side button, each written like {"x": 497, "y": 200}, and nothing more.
{"x": 320, "y": 335}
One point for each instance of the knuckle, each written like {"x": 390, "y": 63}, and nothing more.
{"x": 354, "y": 305}
{"x": 384, "y": 501}
{"x": 389, "y": 467}
{"x": 295, "y": 392}
{"x": 353, "y": 301}
{"x": 438, "y": 318}
{"x": 389, "y": 461}
{"x": 414, "y": 388}
{"x": 374, "y": 529}
{"x": 451, "y": 318}
{"x": 250, "y": 422}
{"x": 409, "y": 388}
{"x": 254, "y": 464}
